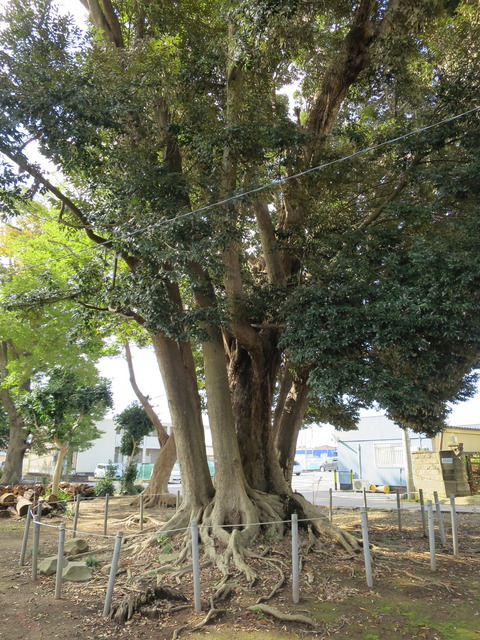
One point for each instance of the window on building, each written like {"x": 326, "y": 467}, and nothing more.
{"x": 389, "y": 455}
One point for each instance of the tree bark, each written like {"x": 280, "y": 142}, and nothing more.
{"x": 289, "y": 421}
{"x": 57, "y": 474}
{"x": 18, "y": 434}
{"x": 178, "y": 372}
{"x": 158, "y": 484}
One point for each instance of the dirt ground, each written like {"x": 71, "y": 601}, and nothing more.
{"x": 407, "y": 600}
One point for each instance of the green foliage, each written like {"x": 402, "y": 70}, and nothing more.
{"x": 380, "y": 251}
{"x": 165, "y": 544}
{"x": 127, "y": 481}
{"x": 105, "y": 486}
{"x": 135, "y": 424}
{"x": 92, "y": 561}
{"x": 63, "y": 408}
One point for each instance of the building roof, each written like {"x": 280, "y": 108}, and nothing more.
{"x": 473, "y": 427}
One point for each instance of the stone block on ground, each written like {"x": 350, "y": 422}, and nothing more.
{"x": 75, "y": 545}
{"x": 48, "y": 566}
{"x": 77, "y": 572}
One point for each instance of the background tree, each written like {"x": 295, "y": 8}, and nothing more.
{"x": 62, "y": 410}
{"x": 345, "y": 284}
{"x": 38, "y": 328}
{"x": 134, "y": 424}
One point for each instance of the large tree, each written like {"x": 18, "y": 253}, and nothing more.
{"x": 233, "y": 225}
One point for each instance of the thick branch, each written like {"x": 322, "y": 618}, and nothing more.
{"x": 105, "y": 20}
{"x": 275, "y": 271}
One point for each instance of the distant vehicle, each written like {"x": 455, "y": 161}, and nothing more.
{"x": 175, "y": 474}
{"x": 329, "y": 464}
{"x": 297, "y": 467}
{"x": 102, "y": 468}
{"x": 176, "y": 477}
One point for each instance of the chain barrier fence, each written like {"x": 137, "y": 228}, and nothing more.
{"x": 427, "y": 514}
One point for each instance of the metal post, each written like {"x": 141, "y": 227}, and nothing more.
{"x": 351, "y": 478}
{"x": 431, "y": 536}
{"x": 365, "y": 498}
{"x": 26, "y": 531}
{"x": 61, "y": 542}
{"x": 295, "y": 577}
{"x": 335, "y": 476}
{"x": 75, "y": 517}
{"x": 196, "y": 568}
{"x": 141, "y": 512}
{"x": 36, "y": 540}
{"x": 424, "y": 515}
{"x": 399, "y": 511}
{"x": 441, "y": 529}
{"x": 331, "y": 504}
{"x": 113, "y": 574}
{"x": 366, "y": 547}
{"x": 454, "y": 525}
{"x": 105, "y": 515}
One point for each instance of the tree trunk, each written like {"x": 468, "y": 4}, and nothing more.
{"x": 17, "y": 437}
{"x": 252, "y": 388}
{"x": 178, "y": 372}
{"x": 232, "y": 505}
{"x": 158, "y": 484}
{"x": 289, "y": 414}
{"x": 57, "y": 474}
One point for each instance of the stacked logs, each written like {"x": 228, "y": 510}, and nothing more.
{"x": 15, "y": 500}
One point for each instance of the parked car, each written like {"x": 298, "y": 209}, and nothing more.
{"x": 329, "y": 464}
{"x": 176, "y": 477}
{"x": 175, "y": 474}
{"x": 102, "y": 468}
{"x": 297, "y": 467}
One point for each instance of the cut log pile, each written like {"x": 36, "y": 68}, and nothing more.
{"x": 15, "y": 500}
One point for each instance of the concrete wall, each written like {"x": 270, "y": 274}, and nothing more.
{"x": 447, "y": 479}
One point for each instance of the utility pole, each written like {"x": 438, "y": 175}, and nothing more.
{"x": 407, "y": 453}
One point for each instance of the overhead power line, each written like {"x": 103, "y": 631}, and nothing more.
{"x": 244, "y": 194}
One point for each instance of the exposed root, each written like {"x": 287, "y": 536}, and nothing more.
{"x": 132, "y": 603}
{"x": 213, "y": 613}
{"x": 178, "y": 631}
{"x": 324, "y": 529}
{"x": 276, "y": 588}
{"x": 285, "y": 617}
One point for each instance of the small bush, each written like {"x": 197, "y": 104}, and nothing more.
{"x": 104, "y": 487}
{"x": 127, "y": 486}
{"x": 93, "y": 562}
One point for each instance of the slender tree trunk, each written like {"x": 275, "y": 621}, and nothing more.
{"x": 158, "y": 484}
{"x": 232, "y": 504}
{"x": 57, "y": 474}
{"x": 288, "y": 420}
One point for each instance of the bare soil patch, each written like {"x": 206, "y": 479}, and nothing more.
{"x": 407, "y": 600}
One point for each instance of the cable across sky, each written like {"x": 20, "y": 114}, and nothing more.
{"x": 259, "y": 189}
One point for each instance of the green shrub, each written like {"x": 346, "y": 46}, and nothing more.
{"x": 127, "y": 486}
{"x": 91, "y": 561}
{"x": 104, "y": 487}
